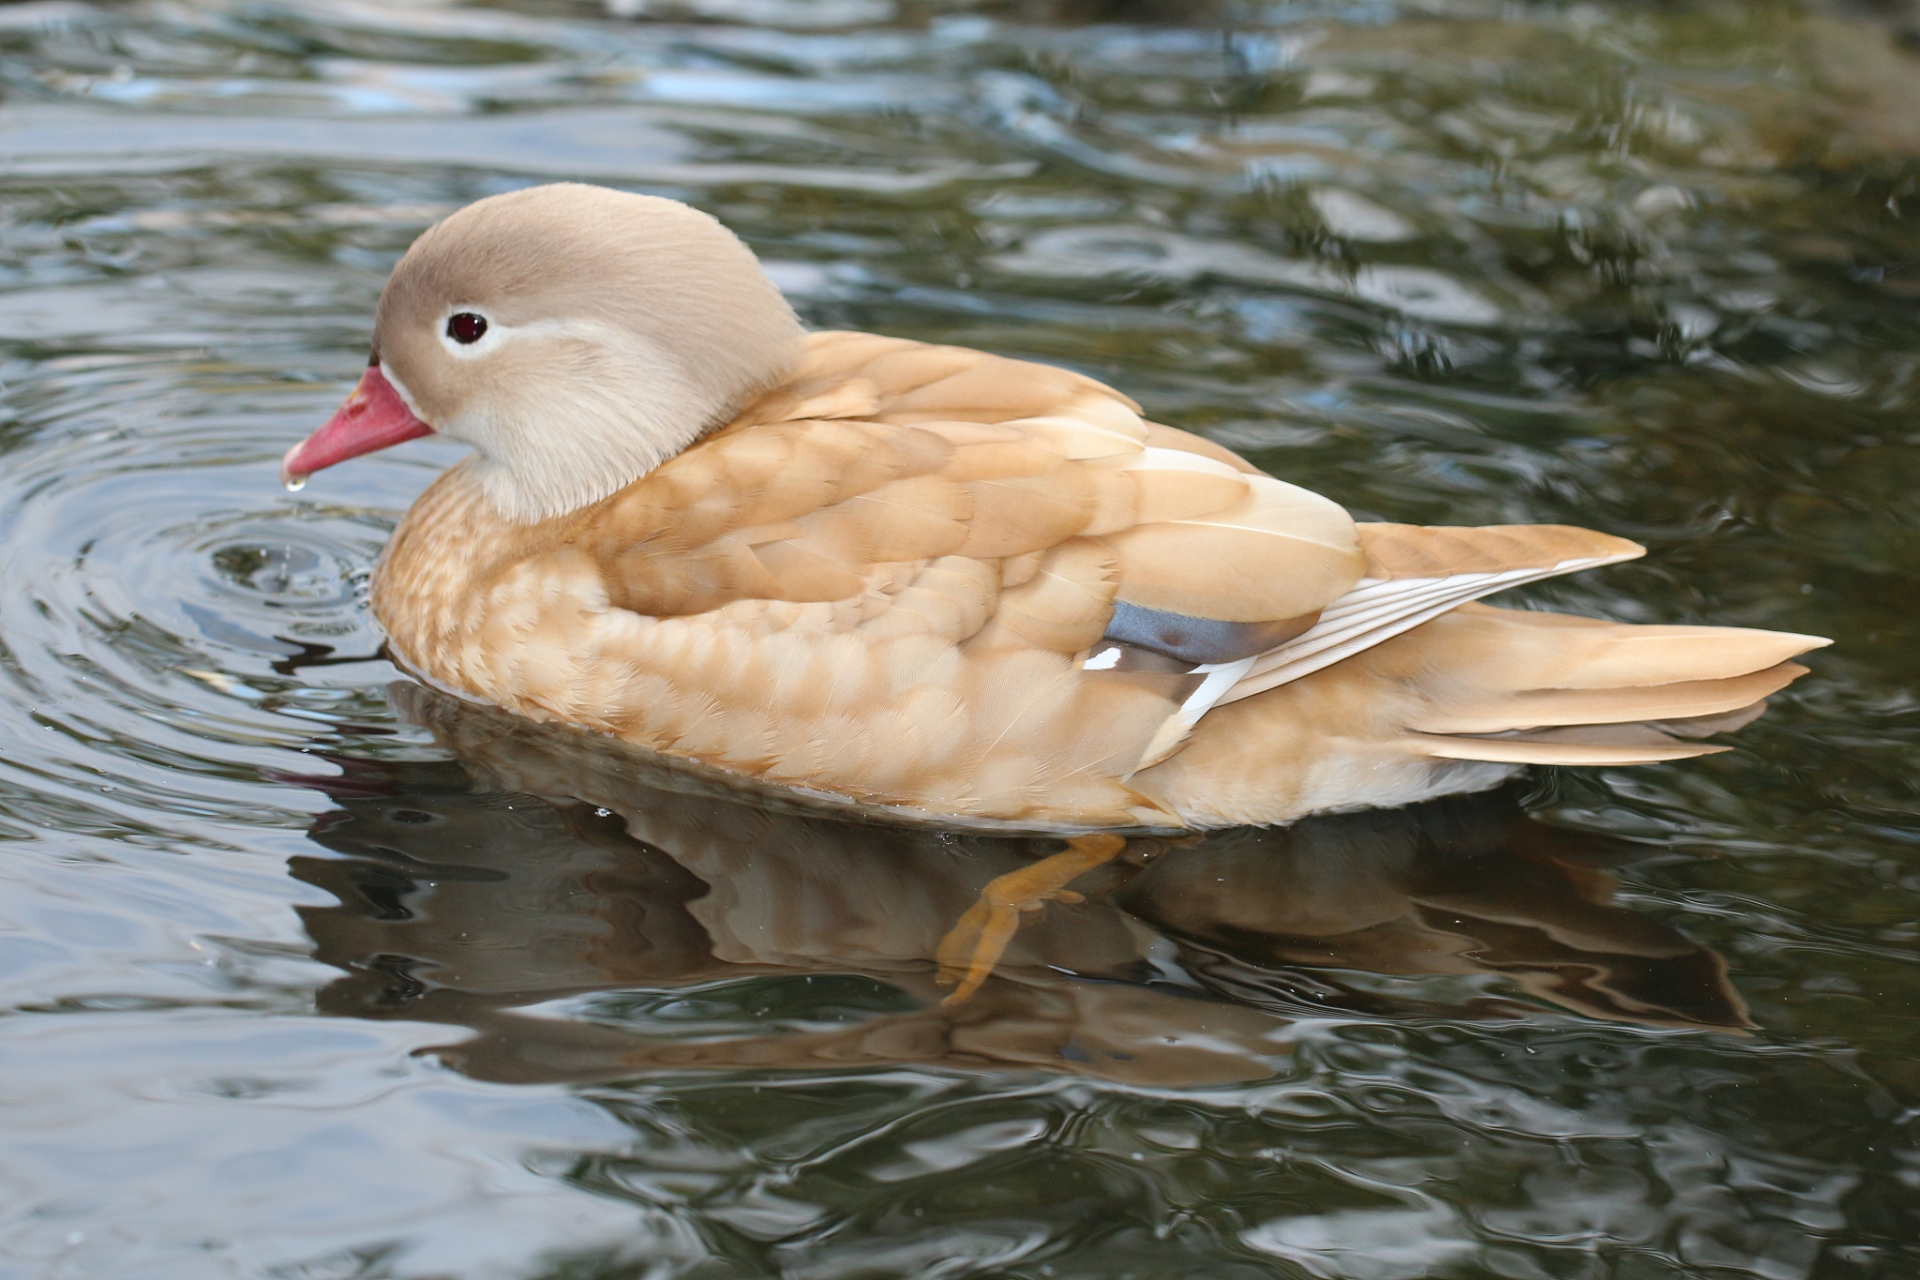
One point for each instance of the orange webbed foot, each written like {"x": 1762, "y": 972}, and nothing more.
{"x": 975, "y": 944}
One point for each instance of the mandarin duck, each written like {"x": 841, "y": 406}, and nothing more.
{"x": 931, "y": 583}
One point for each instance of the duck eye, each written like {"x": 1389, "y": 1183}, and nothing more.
{"x": 465, "y": 327}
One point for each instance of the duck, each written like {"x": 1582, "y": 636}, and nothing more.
{"x": 936, "y": 585}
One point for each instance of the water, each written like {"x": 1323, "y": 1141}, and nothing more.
{"x": 299, "y": 989}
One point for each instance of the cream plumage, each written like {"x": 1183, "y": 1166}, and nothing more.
{"x": 935, "y": 582}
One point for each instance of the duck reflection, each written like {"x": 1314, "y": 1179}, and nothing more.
{"x": 588, "y": 914}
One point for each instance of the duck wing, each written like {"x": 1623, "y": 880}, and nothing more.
{"x": 896, "y": 489}
{"x": 986, "y": 500}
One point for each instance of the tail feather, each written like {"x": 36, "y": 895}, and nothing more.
{"x": 1499, "y": 712}
{"x": 1707, "y": 726}
{"x": 1514, "y": 650}
{"x": 1539, "y": 748}
{"x": 1513, "y": 687}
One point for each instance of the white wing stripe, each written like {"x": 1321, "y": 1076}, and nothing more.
{"x": 1375, "y": 611}
{"x": 1220, "y": 677}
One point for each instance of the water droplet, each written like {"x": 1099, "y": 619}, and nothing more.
{"x": 295, "y": 483}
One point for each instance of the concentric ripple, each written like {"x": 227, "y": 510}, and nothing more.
{"x": 161, "y": 591}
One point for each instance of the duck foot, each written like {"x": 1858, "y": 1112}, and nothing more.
{"x": 973, "y": 946}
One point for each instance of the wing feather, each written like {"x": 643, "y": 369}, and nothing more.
{"x": 1441, "y": 551}
{"x": 912, "y": 519}
{"x": 1066, "y": 605}
{"x": 1029, "y": 513}
{"x": 1163, "y": 437}
{"x": 1173, "y": 485}
{"x": 1379, "y": 608}
{"x": 1281, "y": 552}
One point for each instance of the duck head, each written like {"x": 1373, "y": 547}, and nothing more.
{"x": 576, "y": 337}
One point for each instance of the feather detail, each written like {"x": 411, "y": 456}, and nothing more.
{"x": 1556, "y": 651}
{"x": 1566, "y": 750}
{"x": 1281, "y": 552}
{"x": 1379, "y": 608}
{"x": 1440, "y": 551}
{"x": 1029, "y": 513}
{"x": 1162, "y": 437}
{"x": 1216, "y": 679}
{"x": 1066, "y": 605}
{"x": 1683, "y": 699}
{"x": 1082, "y": 436}
{"x": 905, "y": 520}
{"x": 1173, "y": 485}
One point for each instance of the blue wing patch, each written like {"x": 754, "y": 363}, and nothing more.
{"x": 1199, "y": 640}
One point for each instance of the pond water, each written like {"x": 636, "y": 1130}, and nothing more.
{"x": 310, "y": 974}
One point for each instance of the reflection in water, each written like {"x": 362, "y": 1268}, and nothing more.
{"x": 590, "y": 914}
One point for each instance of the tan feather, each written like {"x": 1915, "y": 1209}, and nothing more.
{"x": 751, "y": 461}
{"x": 1564, "y": 751}
{"x": 990, "y": 389}
{"x": 1685, "y": 699}
{"x": 1078, "y": 437}
{"x": 851, "y": 398}
{"x": 1116, "y": 499}
{"x": 1099, "y": 405}
{"x": 1172, "y": 485}
{"x": 801, "y": 570}
{"x": 1066, "y": 605}
{"x": 648, "y": 582}
{"x": 1163, "y": 437}
{"x": 906, "y": 520}
{"x": 1436, "y": 551}
{"x": 951, "y": 598}
{"x": 1380, "y": 608}
{"x": 843, "y": 353}
{"x": 1029, "y": 513}
{"x": 960, "y": 433}
{"x": 1016, "y": 571}
{"x": 1280, "y": 553}
{"x": 1555, "y": 651}
{"x": 997, "y": 460}
{"x": 903, "y": 368}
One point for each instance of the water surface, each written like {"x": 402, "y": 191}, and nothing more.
{"x": 311, "y": 974}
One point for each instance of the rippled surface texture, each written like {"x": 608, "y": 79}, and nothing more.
{"x": 309, "y": 974}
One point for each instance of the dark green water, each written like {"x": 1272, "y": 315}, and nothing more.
{"x": 296, "y": 990}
